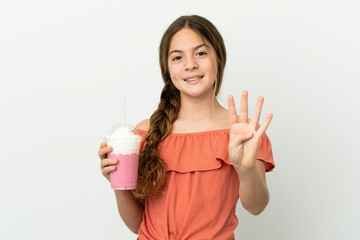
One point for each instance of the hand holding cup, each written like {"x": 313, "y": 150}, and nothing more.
{"x": 107, "y": 165}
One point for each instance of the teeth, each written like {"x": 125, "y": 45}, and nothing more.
{"x": 192, "y": 79}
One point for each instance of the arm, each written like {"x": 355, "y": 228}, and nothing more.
{"x": 253, "y": 192}
{"x": 130, "y": 209}
{"x": 245, "y": 135}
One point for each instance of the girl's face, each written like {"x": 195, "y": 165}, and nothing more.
{"x": 192, "y": 63}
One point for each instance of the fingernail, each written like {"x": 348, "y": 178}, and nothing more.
{"x": 248, "y": 134}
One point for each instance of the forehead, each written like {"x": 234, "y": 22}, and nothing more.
{"x": 186, "y": 39}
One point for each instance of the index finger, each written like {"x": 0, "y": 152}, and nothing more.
{"x": 232, "y": 110}
{"x": 103, "y": 144}
{"x": 104, "y": 151}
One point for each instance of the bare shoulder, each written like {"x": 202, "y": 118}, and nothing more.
{"x": 143, "y": 125}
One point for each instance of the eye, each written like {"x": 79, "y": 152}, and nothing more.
{"x": 176, "y": 58}
{"x": 201, "y": 53}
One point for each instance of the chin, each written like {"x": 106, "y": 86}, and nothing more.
{"x": 198, "y": 93}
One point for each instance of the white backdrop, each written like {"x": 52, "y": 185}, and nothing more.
{"x": 65, "y": 66}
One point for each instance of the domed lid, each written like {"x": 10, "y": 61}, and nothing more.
{"x": 121, "y": 131}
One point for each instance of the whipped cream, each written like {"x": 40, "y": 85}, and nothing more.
{"x": 124, "y": 141}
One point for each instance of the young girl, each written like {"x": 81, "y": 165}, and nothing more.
{"x": 197, "y": 158}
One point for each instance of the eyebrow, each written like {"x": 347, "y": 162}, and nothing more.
{"x": 195, "y": 48}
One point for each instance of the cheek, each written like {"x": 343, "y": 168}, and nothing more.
{"x": 174, "y": 75}
{"x": 212, "y": 68}
{"x": 175, "y": 72}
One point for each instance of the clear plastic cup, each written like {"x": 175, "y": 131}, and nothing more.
{"x": 125, "y": 141}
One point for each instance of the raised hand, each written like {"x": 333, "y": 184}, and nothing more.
{"x": 245, "y": 134}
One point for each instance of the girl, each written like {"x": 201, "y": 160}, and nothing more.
{"x": 198, "y": 158}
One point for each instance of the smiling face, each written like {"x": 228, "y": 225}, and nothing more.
{"x": 192, "y": 63}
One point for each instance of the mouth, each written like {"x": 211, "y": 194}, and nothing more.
{"x": 193, "y": 78}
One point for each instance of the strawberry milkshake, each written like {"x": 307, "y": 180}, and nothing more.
{"x": 125, "y": 141}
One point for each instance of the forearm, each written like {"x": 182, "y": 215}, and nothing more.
{"x": 253, "y": 192}
{"x": 130, "y": 209}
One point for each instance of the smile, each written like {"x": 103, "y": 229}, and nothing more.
{"x": 192, "y": 79}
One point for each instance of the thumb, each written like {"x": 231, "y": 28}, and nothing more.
{"x": 242, "y": 138}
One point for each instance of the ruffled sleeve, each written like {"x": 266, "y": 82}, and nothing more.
{"x": 265, "y": 153}
{"x": 143, "y": 135}
{"x": 195, "y": 152}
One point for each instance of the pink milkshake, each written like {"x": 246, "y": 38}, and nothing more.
{"x": 125, "y": 141}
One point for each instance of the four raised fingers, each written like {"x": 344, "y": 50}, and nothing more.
{"x": 244, "y": 112}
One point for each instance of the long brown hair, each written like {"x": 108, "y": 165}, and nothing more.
{"x": 152, "y": 169}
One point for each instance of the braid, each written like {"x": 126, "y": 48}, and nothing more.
{"x": 151, "y": 174}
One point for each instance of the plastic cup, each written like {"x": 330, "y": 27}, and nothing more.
{"x": 125, "y": 141}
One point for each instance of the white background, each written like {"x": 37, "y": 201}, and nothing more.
{"x": 66, "y": 65}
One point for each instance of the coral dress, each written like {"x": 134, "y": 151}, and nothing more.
{"x": 201, "y": 189}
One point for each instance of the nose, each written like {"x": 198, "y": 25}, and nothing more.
{"x": 191, "y": 64}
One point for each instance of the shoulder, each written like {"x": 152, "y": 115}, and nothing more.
{"x": 143, "y": 125}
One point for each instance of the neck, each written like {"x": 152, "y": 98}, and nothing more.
{"x": 195, "y": 108}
